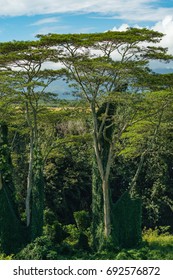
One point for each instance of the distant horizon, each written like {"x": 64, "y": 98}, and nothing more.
{"x": 61, "y": 88}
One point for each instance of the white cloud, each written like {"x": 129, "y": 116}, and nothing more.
{"x": 123, "y": 27}
{"x": 52, "y": 65}
{"x": 46, "y": 21}
{"x": 164, "y": 26}
{"x": 137, "y": 10}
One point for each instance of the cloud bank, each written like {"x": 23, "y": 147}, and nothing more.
{"x": 164, "y": 26}
{"x": 137, "y": 10}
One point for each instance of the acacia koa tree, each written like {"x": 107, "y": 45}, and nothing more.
{"x": 101, "y": 66}
{"x": 27, "y": 81}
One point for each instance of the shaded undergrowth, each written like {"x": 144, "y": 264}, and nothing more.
{"x": 157, "y": 244}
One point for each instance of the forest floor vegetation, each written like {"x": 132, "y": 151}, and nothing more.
{"x": 156, "y": 244}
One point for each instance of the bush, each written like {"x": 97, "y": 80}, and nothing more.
{"x": 5, "y": 257}
{"x": 55, "y": 232}
{"x": 39, "y": 249}
{"x": 83, "y": 242}
{"x": 73, "y": 234}
{"x": 160, "y": 243}
{"x": 158, "y": 237}
{"x": 82, "y": 220}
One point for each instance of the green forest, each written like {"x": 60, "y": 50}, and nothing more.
{"x": 89, "y": 176}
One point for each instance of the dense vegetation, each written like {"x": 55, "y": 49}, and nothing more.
{"x": 91, "y": 177}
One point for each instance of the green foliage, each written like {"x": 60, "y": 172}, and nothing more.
{"x": 5, "y": 257}
{"x": 76, "y": 238}
{"x": 82, "y": 220}
{"x": 156, "y": 245}
{"x": 68, "y": 181}
{"x": 39, "y": 249}
{"x": 49, "y": 217}
{"x": 159, "y": 236}
{"x": 43, "y": 248}
{"x": 83, "y": 242}
{"x": 12, "y": 234}
{"x": 130, "y": 111}
{"x": 160, "y": 243}
{"x": 97, "y": 209}
{"x": 73, "y": 234}
{"x": 55, "y": 232}
{"x": 126, "y": 221}
{"x": 155, "y": 187}
{"x": 37, "y": 201}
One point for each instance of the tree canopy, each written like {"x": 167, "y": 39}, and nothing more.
{"x": 120, "y": 116}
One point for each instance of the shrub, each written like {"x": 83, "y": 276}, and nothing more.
{"x": 82, "y": 220}
{"x": 39, "y": 249}
{"x": 55, "y": 232}
{"x": 73, "y": 234}
{"x": 5, "y": 257}
{"x": 158, "y": 237}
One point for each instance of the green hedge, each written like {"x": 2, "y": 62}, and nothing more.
{"x": 126, "y": 221}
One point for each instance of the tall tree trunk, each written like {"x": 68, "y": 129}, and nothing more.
{"x": 133, "y": 187}
{"x": 29, "y": 182}
{"x": 106, "y": 206}
{"x": 103, "y": 130}
{"x": 35, "y": 182}
{"x": 0, "y": 181}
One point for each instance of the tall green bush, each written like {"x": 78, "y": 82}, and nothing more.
{"x": 126, "y": 221}
{"x": 12, "y": 234}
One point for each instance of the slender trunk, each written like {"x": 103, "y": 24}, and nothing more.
{"x": 103, "y": 153}
{"x": 29, "y": 182}
{"x": 133, "y": 190}
{"x": 0, "y": 181}
{"x": 106, "y": 206}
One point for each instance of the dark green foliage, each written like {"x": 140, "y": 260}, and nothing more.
{"x": 37, "y": 200}
{"x": 52, "y": 228}
{"x": 40, "y": 249}
{"x": 126, "y": 118}
{"x": 82, "y": 220}
{"x": 20, "y": 166}
{"x": 12, "y": 234}
{"x": 154, "y": 247}
{"x": 73, "y": 235}
{"x": 97, "y": 209}
{"x": 55, "y": 232}
{"x": 83, "y": 242}
{"x": 48, "y": 246}
{"x": 68, "y": 181}
{"x": 49, "y": 217}
{"x": 155, "y": 188}
{"x": 126, "y": 221}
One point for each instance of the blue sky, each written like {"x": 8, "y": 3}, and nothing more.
{"x": 26, "y": 27}
{"x": 23, "y": 19}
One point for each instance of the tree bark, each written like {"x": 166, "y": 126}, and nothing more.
{"x": 103, "y": 153}
{"x": 0, "y": 181}
{"x": 133, "y": 190}
{"x": 106, "y": 206}
{"x": 29, "y": 183}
